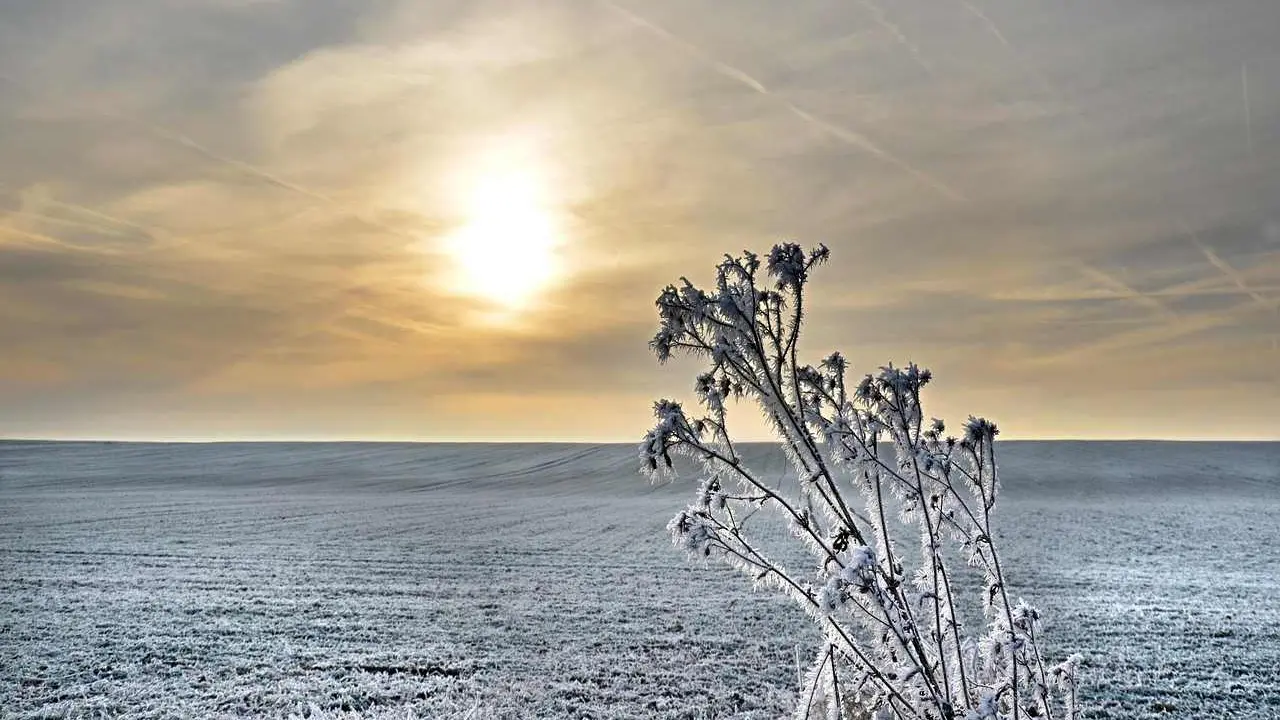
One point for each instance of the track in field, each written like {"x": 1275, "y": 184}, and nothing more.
{"x": 160, "y": 581}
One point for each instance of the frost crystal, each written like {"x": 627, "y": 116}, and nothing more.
{"x": 862, "y": 452}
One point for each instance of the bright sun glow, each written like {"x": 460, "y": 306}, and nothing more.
{"x": 506, "y": 251}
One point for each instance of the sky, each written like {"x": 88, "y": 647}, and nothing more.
{"x": 393, "y": 219}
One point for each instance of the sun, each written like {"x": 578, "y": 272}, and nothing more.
{"x": 505, "y": 253}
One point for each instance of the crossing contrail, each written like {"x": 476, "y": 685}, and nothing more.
{"x": 1228, "y": 271}
{"x": 841, "y": 133}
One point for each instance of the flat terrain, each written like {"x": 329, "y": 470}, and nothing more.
{"x": 521, "y": 581}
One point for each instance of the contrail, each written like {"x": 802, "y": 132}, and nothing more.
{"x": 1199, "y": 288}
{"x": 1229, "y": 271}
{"x": 1248, "y": 114}
{"x": 240, "y": 165}
{"x": 1003, "y": 40}
{"x": 108, "y": 220}
{"x": 185, "y": 141}
{"x": 1125, "y": 290}
{"x": 99, "y": 228}
{"x": 744, "y": 78}
{"x": 877, "y": 12}
{"x": 1145, "y": 335}
{"x": 740, "y": 76}
{"x": 326, "y": 318}
{"x": 191, "y": 144}
{"x": 728, "y": 71}
{"x": 1207, "y": 286}
{"x": 991, "y": 26}
{"x": 1232, "y": 274}
{"x": 268, "y": 177}
{"x": 864, "y": 143}
{"x": 43, "y": 239}
{"x": 293, "y": 331}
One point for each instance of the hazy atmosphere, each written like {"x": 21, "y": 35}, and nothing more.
{"x": 449, "y": 220}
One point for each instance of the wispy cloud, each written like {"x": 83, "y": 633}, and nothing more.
{"x": 215, "y": 210}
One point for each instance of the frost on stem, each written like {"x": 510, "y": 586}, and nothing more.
{"x": 893, "y": 644}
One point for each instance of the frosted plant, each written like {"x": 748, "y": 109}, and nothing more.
{"x": 892, "y": 618}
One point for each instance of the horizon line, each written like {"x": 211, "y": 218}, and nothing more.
{"x": 552, "y": 441}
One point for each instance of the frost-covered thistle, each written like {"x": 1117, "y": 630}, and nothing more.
{"x": 893, "y": 636}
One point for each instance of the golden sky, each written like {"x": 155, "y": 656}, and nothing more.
{"x": 392, "y": 219}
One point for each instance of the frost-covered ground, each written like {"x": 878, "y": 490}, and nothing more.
{"x": 521, "y": 581}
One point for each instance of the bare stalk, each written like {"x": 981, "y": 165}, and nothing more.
{"x": 887, "y": 652}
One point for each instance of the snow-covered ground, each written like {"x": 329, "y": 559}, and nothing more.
{"x": 521, "y": 581}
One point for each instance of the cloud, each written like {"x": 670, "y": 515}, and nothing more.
{"x": 234, "y": 207}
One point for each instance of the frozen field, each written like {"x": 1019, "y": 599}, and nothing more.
{"x": 523, "y": 581}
